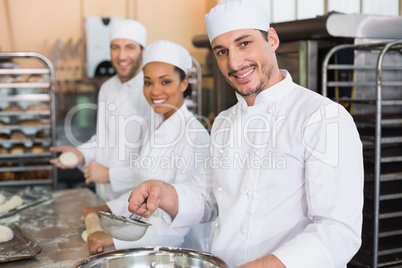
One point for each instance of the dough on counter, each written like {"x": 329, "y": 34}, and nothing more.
{"x": 84, "y": 235}
{"x": 14, "y": 202}
{"x": 2, "y": 199}
{"x": 68, "y": 159}
{"x": 6, "y": 234}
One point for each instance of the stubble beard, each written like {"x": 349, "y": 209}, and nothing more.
{"x": 133, "y": 71}
{"x": 261, "y": 85}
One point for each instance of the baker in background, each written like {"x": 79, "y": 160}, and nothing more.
{"x": 179, "y": 136}
{"x": 285, "y": 179}
{"x": 122, "y": 116}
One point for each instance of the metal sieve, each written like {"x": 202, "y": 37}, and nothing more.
{"x": 123, "y": 228}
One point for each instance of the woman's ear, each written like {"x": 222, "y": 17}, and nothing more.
{"x": 184, "y": 84}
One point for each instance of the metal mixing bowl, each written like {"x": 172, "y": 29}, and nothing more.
{"x": 155, "y": 257}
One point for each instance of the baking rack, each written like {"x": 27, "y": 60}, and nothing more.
{"x": 17, "y": 88}
{"x": 374, "y": 82}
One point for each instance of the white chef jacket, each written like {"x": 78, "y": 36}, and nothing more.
{"x": 122, "y": 117}
{"x": 287, "y": 179}
{"x": 172, "y": 153}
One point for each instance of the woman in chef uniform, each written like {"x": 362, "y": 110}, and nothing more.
{"x": 173, "y": 152}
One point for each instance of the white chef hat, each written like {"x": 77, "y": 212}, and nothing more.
{"x": 236, "y": 14}
{"x": 128, "y": 29}
{"x": 168, "y": 52}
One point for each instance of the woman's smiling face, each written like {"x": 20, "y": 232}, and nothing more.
{"x": 163, "y": 88}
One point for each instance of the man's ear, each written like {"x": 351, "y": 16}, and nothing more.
{"x": 273, "y": 39}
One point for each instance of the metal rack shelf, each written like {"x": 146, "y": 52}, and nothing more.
{"x": 25, "y": 113}
{"x": 389, "y": 172}
{"x": 28, "y": 168}
{"x": 375, "y": 101}
{"x": 22, "y": 156}
{"x": 24, "y": 85}
{"x": 194, "y": 102}
{"x": 27, "y": 97}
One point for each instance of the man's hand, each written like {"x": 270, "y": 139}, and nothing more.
{"x": 63, "y": 149}
{"x": 98, "y": 241}
{"x": 95, "y": 172}
{"x": 158, "y": 193}
{"x": 270, "y": 261}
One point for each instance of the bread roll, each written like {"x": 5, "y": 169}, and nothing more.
{"x": 6, "y": 79}
{"x": 17, "y": 135}
{"x": 3, "y": 150}
{"x": 30, "y": 122}
{"x": 19, "y": 79}
{"x": 38, "y": 108}
{"x": 13, "y": 108}
{"x": 35, "y": 78}
{"x": 37, "y": 148}
{"x": 35, "y": 174}
{"x": 8, "y": 176}
{"x": 41, "y": 135}
{"x": 17, "y": 149}
{"x": 4, "y": 136}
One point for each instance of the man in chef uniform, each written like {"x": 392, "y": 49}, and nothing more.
{"x": 284, "y": 182}
{"x": 123, "y": 114}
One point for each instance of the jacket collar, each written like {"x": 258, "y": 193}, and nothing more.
{"x": 135, "y": 82}
{"x": 172, "y": 127}
{"x": 268, "y": 98}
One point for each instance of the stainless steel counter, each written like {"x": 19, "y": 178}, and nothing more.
{"x": 56, "y": 226}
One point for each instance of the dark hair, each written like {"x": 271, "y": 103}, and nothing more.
{"x": 183, "y": 76}
{"x": 264, "y": 34}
